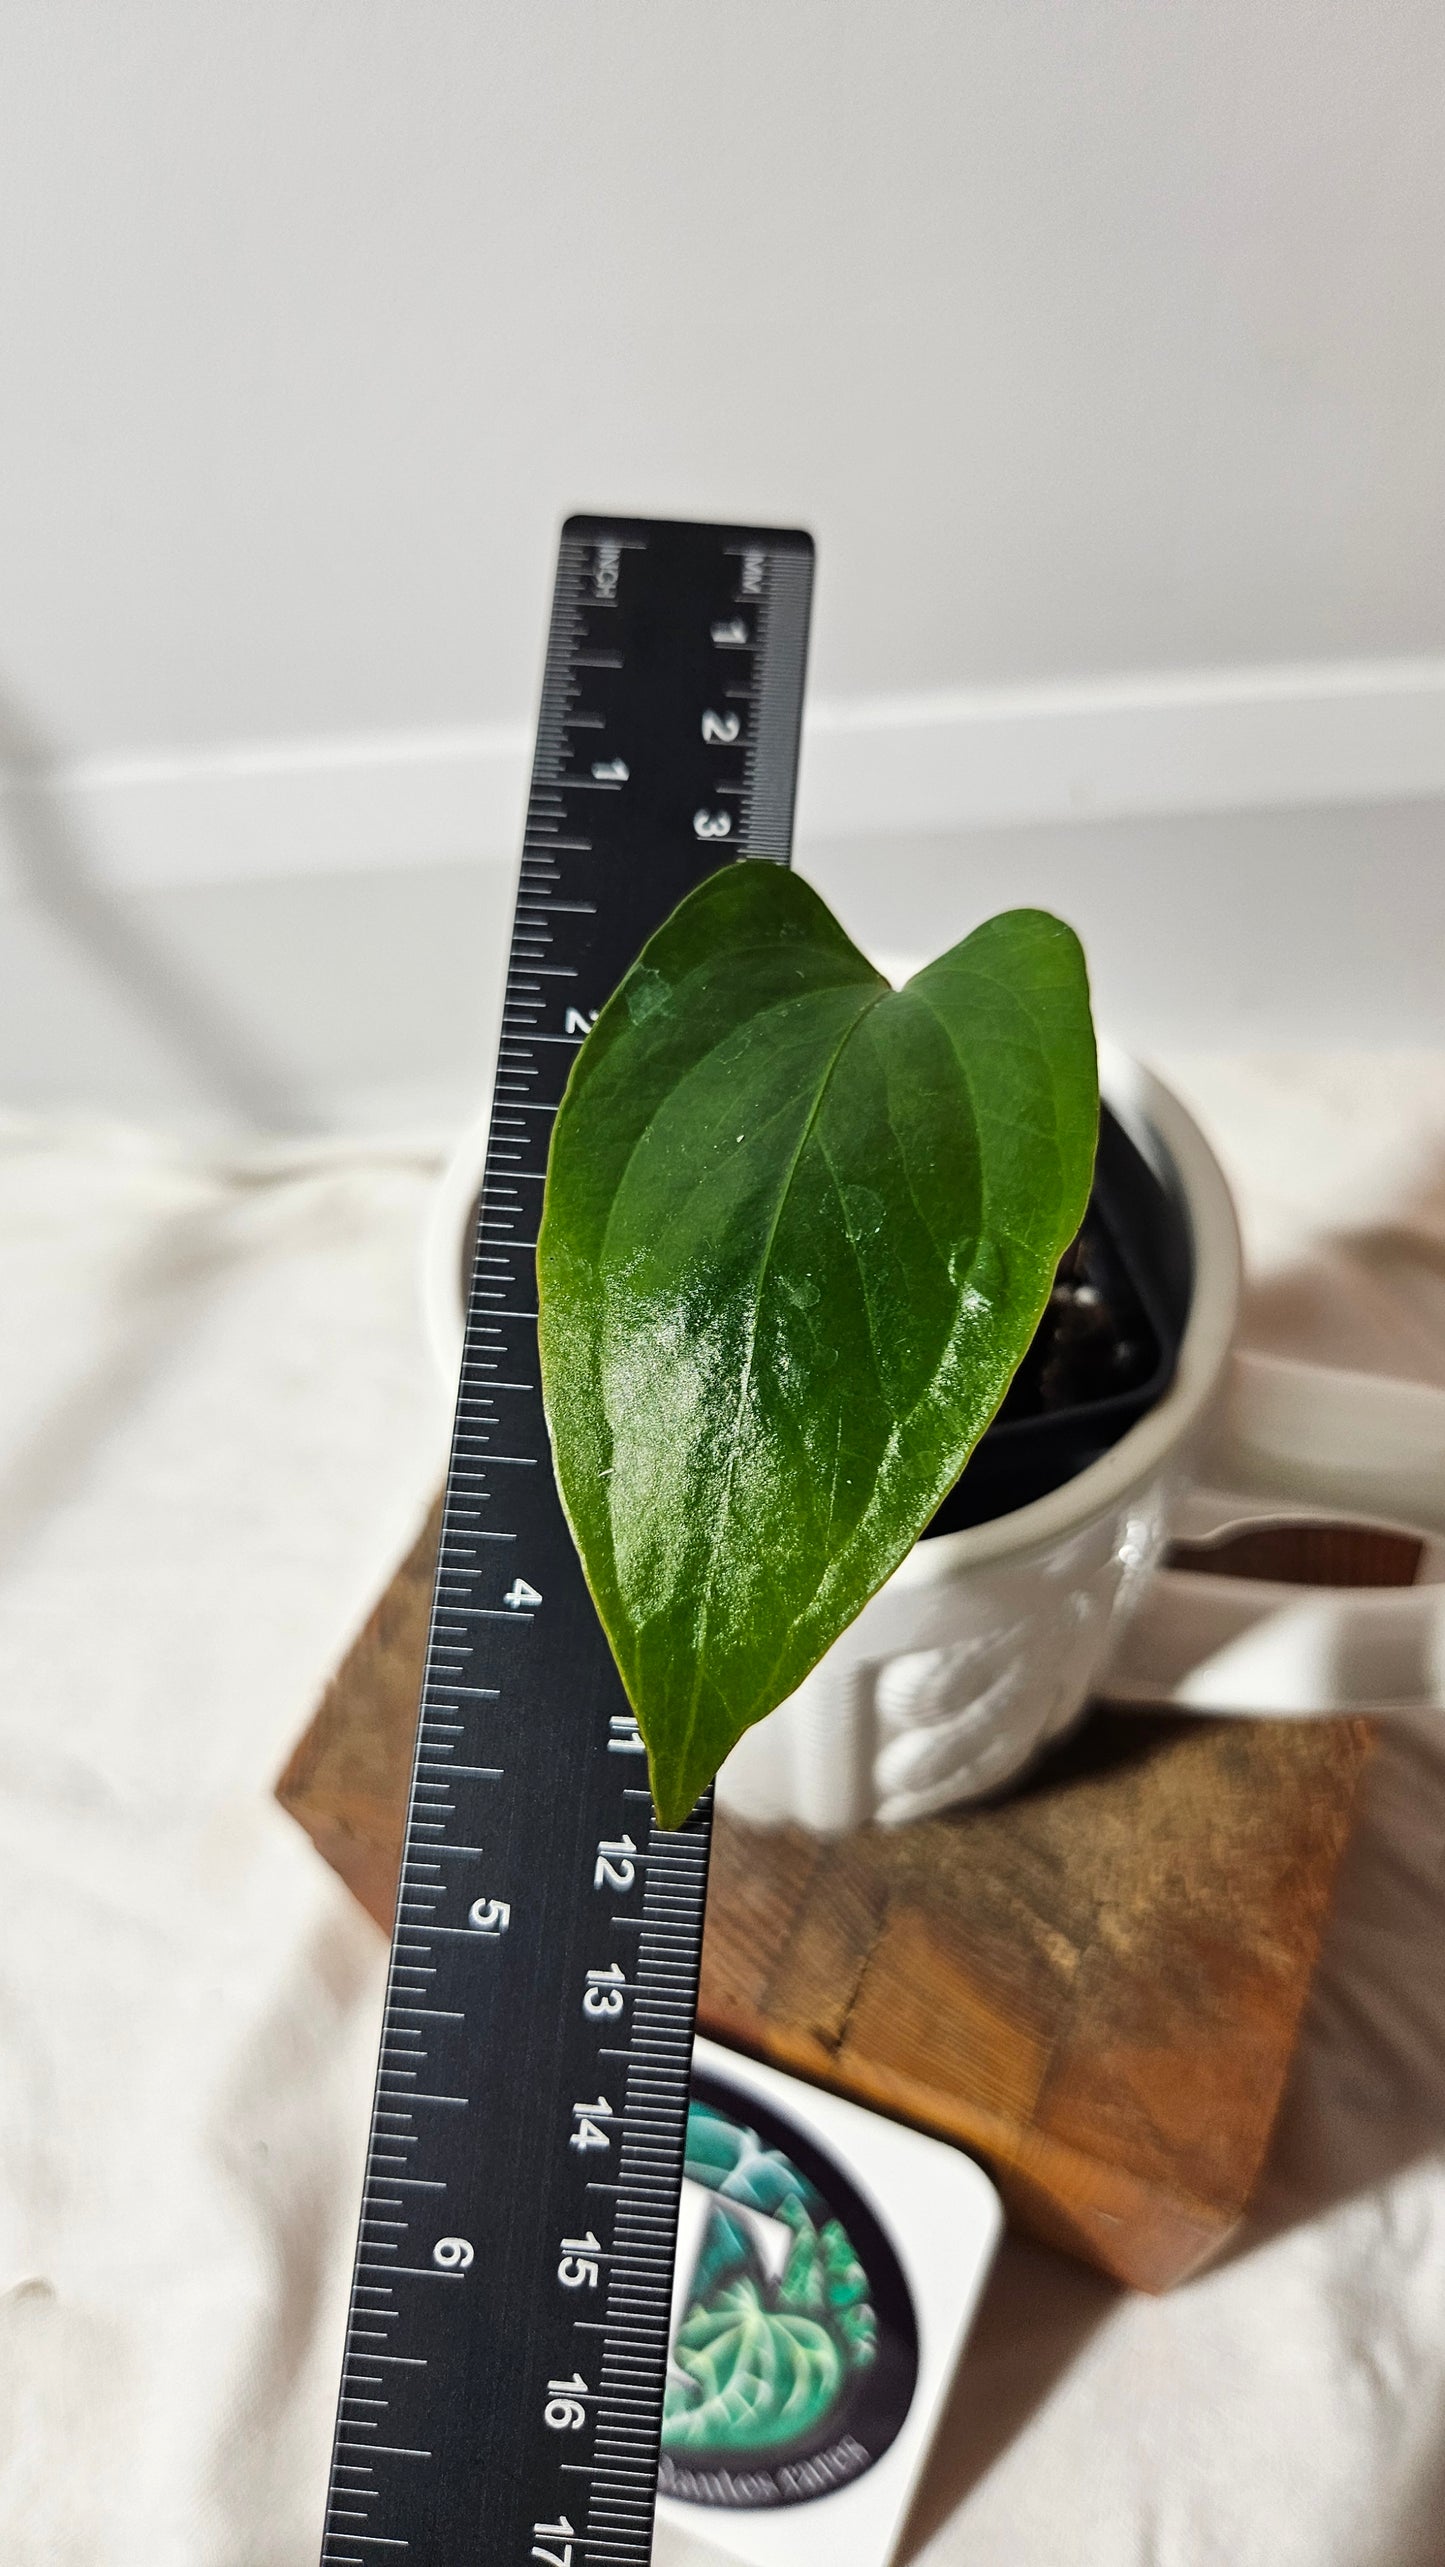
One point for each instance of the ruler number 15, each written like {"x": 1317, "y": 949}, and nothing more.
{"x": 561, "y": 2531}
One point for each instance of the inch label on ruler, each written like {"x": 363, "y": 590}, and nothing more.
{"x": 508, "y": 2334}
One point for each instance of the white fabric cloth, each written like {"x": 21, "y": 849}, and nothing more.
{"x": 218, "y": 1426}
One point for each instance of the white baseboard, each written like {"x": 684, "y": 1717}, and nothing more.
{"x": 1127, "y": 747}
{"x": 269, "y": 812}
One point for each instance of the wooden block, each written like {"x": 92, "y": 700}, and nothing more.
{"x": 1095, "y": 1984}
{"x": 348, "y": 1779}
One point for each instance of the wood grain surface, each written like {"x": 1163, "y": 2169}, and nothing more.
{"x": 1094, "y": 1984}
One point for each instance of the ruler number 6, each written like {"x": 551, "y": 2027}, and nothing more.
{"x": 453, "y": 2254}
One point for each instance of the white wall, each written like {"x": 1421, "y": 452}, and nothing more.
{"x": 1093, "y": 336}
{"x": 1094, "y": 339}
{"x": 373, "y": 997}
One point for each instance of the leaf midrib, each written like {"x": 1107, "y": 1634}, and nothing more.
{"x": 884, "y": 991}
{"x": 876, "y": 998}
{"x": 901, "y": 1424}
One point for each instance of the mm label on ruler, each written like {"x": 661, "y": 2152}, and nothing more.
{"x": 507, "y": 2338}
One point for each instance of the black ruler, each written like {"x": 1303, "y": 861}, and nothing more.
{"x": 507, "y": 2340}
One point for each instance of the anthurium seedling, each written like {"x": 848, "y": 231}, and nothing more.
{"x": 799, "y": 1229}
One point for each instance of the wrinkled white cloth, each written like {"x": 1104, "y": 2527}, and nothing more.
{"x": 218, "y": 1426}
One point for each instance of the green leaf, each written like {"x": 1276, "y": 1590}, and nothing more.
{"x": 751, "y": 2376}
{"x": 798, "y": 1231}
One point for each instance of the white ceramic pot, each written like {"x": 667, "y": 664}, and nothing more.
{"x": 985, "y": 1645}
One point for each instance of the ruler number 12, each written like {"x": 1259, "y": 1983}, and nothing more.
{"x": 560, "y": 2531}
{"x": 612, "y": 1870}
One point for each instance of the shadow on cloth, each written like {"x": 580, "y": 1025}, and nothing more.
{"x": 1036, "y": 2315}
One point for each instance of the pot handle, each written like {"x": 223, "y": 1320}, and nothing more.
{"x": 1296, "y": 1442}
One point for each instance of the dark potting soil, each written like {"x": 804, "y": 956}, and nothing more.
{"x": 1106, "y": 1347}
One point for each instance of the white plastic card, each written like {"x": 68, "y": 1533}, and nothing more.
{"x": 829, "y": 2265}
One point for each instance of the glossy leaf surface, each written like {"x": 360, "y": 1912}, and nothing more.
{"x": 799, "y": 1229}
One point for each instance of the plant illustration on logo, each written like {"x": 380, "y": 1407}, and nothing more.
{"x": 779, "y": 2338}
{"x": 763, "y": 2361}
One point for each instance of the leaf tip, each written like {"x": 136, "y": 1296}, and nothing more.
{"x": 674, "y": 1794}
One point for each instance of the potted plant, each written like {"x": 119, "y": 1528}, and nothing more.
{"x": 799, "y": 1233}
{"x": 974, "y": 1630}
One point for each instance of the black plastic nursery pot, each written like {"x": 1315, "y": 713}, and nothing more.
{"x": 1105, "y": 1350}
{"x": 1103, "y": 1354}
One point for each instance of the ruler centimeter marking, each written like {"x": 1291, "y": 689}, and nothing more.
{"x": 507, "y": 2338}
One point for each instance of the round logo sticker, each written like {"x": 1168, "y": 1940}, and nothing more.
{"x": 794, "y": 2347}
